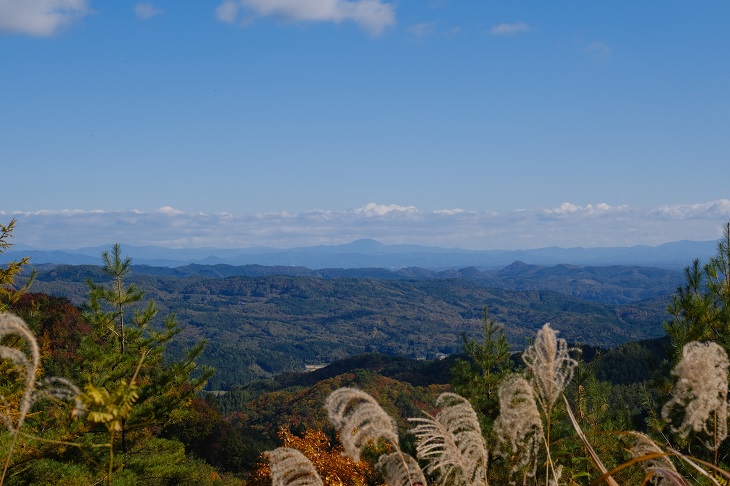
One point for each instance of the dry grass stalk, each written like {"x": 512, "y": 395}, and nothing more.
{"x": 54, "y": 387}
{"x": 550, "y": 365}
{"x": 57, "y": 388}
{"x": 555, "y": 480}
{"x": 701, "y": 391}
{"x": 594, "y": 457}
{"x": 14, "y": 325}
{"x": 359, "y": 419}
{"x": 401, "y": 470}
{"x": 660, "y": 469}
{"x": 551, "y": 369}
{"x": 518, "y": 427}
{"x": 11, "y": 325}
{"x": 289, "y": 467}
{"x": 452, "y": 442}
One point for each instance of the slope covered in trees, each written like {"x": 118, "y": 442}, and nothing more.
{"x": 137, "y": 418}
{"x": 86, "y": 396}
{"x": 259, "y": 326}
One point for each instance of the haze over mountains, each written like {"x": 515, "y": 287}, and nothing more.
{"x": 370, "y": 253}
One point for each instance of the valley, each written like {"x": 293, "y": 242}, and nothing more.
{"x": 259, "y": 321}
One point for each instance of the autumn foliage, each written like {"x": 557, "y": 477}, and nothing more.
{"x": 334, "y": 468}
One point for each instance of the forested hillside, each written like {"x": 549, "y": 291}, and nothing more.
{"x": 140, "y": 418}
{"x": 265, "y": 324}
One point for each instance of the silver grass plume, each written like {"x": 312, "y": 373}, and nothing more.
{"x": 555, "y": 480}
{"x": 452, "y": 442}
{"x": 289, "y": 467}
{"x": 359, "y": 419}
{"x": 518, "y": 427}
{"x": 58, "y": 388}
{"x": 701, "y": 390}
{"x": 401, "y": 470}
{"x": 550, "y": 365}
{"x": 661, "y": 469}
{"x": 14, "y": 325}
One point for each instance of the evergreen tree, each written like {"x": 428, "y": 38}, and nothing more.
{"x": 700, "y": 308}
{"x": 130, "y": 392}
{"x": 116, "y": 267}
{"x": 700, "y": 312}
{"x": 116, "y": 351}
{"x": 478, "y": 377}
{"x": 8, "y": 293}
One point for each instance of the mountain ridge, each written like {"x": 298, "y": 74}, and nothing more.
{"x": 365, "y": 253}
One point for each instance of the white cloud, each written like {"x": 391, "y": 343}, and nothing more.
{"x": 145, "y": 10}
{"x": 423, "y": 29}
{"x": 373, "y": 16}
{"x": 509, "y": 28}
{"x": 713, "y": 210}
{"x": 568, "y": 225}
{"x": 227, "y": 11}
{"x": 168, "y": 210}
{"x": 567, "y": 208}
{"x": 40, "y": 18}
{"x": 372, "y": 209}
{"x": 449, "y": 212}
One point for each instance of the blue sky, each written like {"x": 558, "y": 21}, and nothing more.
{"x": 484, "y": 124}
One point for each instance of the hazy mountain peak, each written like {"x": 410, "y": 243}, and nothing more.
{"x": 364, "y": 244}
{"x": 370, "y": 253}
{"x": 516, "y": 267}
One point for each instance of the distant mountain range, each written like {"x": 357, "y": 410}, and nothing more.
{"x": 368, "y": 253}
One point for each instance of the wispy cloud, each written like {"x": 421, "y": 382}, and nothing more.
{"x": 145, "y": 10}
{"x": 423, "y": 29}
{"x": 228, "y": 11}
{"x": 509, "y": 28}
{"x": 567, "y": 225}
{"x": 40, "y": 18}
{"x": 373, "y": 16}
{"x": 449, "y": 212}
{"x": 372, "y": 209}
{"x": 598, "y": 50}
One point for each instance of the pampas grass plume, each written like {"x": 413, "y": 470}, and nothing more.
{"x": 701, "y": 390}
{"x": 289, "y": 467}
{"x": 452, "y": 442}
{"x": 13, "y": 325}
{"x": 518, "y": 427}
{"x": 359, "y": 419}
{"x": 550, "y": 365}
{"x": 661, "y": 468}
{"x": 400, "y": 470}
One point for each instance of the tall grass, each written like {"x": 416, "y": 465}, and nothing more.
{"x": 518, "y": 428}
{"x": 24, "y": 357}
{"x": 20, "y": 356}
{"x": 700, "y": 394}
{"x": 451, "y": 449}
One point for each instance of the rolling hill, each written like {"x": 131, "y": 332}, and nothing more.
{"x": 270, "y": 323}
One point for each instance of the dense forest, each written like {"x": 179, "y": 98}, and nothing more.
{"x": 105, "y": 371}
{"x": 260, "y": 321}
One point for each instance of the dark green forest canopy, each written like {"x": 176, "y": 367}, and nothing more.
{"x": 258, "y": 325}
